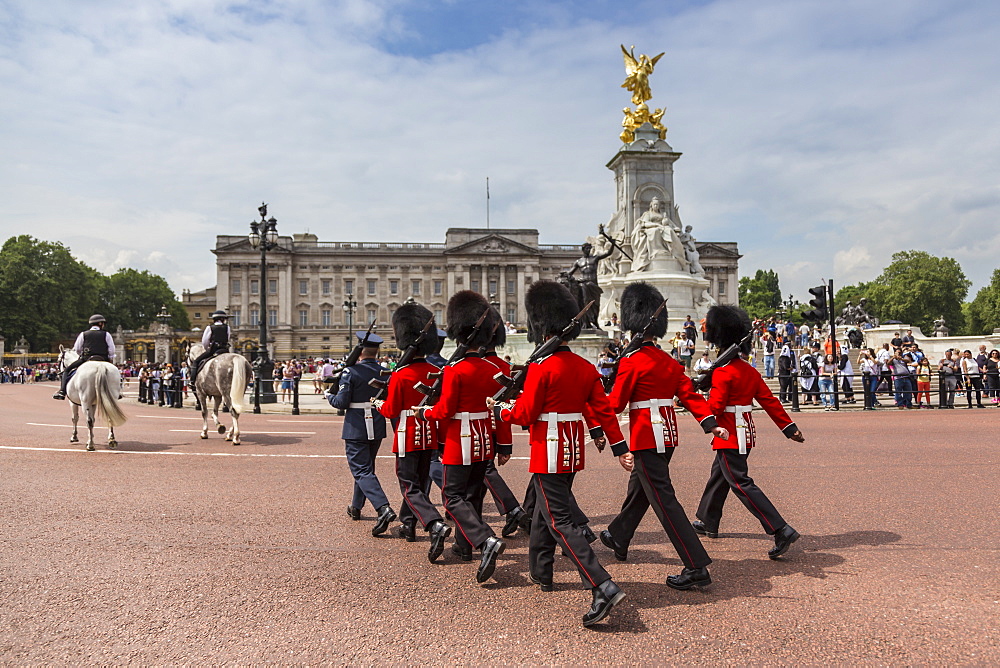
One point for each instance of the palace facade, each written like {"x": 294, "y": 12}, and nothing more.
{"x": 311, "y": 283}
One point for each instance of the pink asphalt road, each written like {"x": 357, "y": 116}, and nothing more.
{"x": 177, "y": 550}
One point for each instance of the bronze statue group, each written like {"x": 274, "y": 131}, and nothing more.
{"x": 452, "y": 424}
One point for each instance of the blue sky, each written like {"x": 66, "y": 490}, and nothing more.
{"x": 821, "y": 136}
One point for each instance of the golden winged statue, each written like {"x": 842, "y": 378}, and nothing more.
{"x": 637, "y": 74}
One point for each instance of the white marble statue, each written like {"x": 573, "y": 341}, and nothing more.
{"x": 691, "y": 252}
{"x": 654, "y": 236}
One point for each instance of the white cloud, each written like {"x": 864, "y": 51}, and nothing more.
{"x": 822, "y": 137}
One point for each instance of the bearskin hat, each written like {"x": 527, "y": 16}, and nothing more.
{"x": 464, "y": 310}
{"x": 496, "y": 326}
{"x": 726, "y": 325}
{"x": 639, "y": 302}
{"x": 407, "y": 323}
{"x": 550, "y": 307}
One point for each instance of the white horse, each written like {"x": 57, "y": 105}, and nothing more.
{"x": 96, "y": 387}
{"x": 224, "y": 378}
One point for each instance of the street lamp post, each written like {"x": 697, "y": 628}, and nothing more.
{"x": 263, "y": 235}
{"x": 349, "y": 307}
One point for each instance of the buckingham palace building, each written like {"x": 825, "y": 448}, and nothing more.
{"x": 318, "y": 292}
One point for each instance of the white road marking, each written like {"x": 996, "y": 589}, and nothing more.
{"x": 194, "y": 454}
{"x": 167, "y": 417}
{"x": 301, "y": 421}
{"x": 244, "y": 433}
{"x": 66, "y": 426}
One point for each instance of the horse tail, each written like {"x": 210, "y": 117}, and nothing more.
{"x": 107, "y": 398}
{"x": 239, "y": 385}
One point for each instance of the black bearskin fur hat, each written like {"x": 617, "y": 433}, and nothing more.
{"x": 407, "y": 323}
{"x": 726, "y": 325}
{"x": 464, "y": 310}
{"x": 500, "y": 333}
{"x": 550, "y": 307}
{"x": 639, "y": 302}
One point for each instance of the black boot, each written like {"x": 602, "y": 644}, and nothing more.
{"x": 408, "y": 530}
{"x": 690, "y": 577}
{"x": 439, "y": 533}
{"x": 783, "y": 540}
{"x": 703, "y": 529}
{"x": 544, "y": 583}
{"x": 513, "y": 522}
{"x": 385, "y": 517}
{"x": 606, "y": 596}
{"x": 492, "y": 548}
{"x": 354, "y": 513}
{"x": 61, "y": 393}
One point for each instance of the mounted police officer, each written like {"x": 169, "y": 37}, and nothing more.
{"x": 93, "y": 344}
{"x": 364, "y": 429}
{"x": 215, "y": 339}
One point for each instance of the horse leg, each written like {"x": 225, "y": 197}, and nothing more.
{"x": 204, "y": 413}
{"x": 234, "y": 433}
{"x": 90, "y": 428}
{"x": 215, "y": 415}
{"x": 112, "y": 441}
{"x": 76, "y": 418}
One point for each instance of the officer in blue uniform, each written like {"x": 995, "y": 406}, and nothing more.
{"x": 364, "y": 429}
{"x": 435, "y": 358}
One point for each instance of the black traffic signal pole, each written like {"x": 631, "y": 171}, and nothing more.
{"x": 833, "y": 346}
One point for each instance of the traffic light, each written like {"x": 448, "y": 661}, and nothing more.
{"x": 819, "y": 312}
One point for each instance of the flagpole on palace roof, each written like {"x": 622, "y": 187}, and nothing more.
{"x": 487, "y": 202}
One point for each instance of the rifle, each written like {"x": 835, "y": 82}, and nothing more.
{"x": 512, "y": 386}
{"x": 353, "y": 357}
{"x": 433, "y": 392}
{"x": 703, "y": 381}
{"x": 633, "y": 345}
{"x": 411, "y": 351}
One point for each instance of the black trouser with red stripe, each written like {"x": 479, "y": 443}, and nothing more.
{"x": 502, "y": 496}
{"x": 530, "y": 496}
{"x": 463, "y": 502}
{"x": 729, "y": 471}
{"x": 553, "y": 524}
{"x": 648, "y": 485}
{"x": 413, "y": 472}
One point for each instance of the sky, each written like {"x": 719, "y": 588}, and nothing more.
{"x": 821, "y": 136}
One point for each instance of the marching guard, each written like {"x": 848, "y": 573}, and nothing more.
{"x": 561, "y": 392}
{"x": 364, "y": 429}
{"x": 735, "y": 386}
{"x": 506, "y": 503}
{"x": 647, "y": 383}
{"x": 465, "y": 426}
{"x": 415, "y": 440}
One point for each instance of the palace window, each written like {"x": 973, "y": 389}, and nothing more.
{"x": 254, "y": 317}
{"x": 272, "y": 286}
{"x": 415, "y": 287}
{"x": 371, "y": 287}
{"x": 303, "y": 287}
{"x": 438, "y": 288}
{"x": 234, "y": 317}
{"x": 326, "y": 286}
{"x": 272, "y": 317}
{"x": 254, "y": 286}
{"x": 349, "y": 286}
{"x": 326, "y": 317}
{"x": 511, "y": 286}
{"x": 237, "y": 285}
{"x": 303, "y": 317}
{"x": 393, "y": 287}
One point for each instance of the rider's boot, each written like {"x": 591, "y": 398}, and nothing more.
{"x": 61, "y": 393}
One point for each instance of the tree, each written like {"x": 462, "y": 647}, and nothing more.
{"x": 984, "y": 311}
{"x": 760, "y": 296}
{"x": 44, "y": 291}
{"x": 132, "y": 299}
{"x": 917, "y": 288}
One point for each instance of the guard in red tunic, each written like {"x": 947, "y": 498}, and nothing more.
{"x": 647, "y": 383}
{"x": 562, "y": 396}
{"x": 507, "y": 504}
{"x": 735, "y": 386}
{"x": 415, "y": 440}
{"x": 468, "y": 438}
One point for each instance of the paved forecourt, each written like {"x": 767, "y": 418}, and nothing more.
{"x": 178, "y": 550}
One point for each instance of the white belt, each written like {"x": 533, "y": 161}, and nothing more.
{"x": 660, "y": 425}
{"x": 401, "y": 432}
{"x": 552, "y": 435}
{"x": 465, "y": 435}
{"x": 741, "y": 424}
{"x": 366, "y": 406}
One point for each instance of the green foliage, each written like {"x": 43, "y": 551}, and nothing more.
{"x": 42, "y": 289}
{"x": 46, "y": 294}
{"x": 917, "y": 288}
{"x": 132, "y": 299}
{"x": 760, "y": 296}
{"x": 983, "y": 312}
